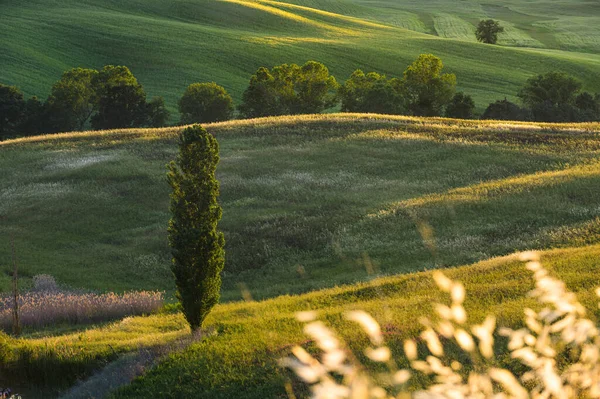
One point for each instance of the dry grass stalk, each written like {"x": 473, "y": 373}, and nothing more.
{"x": 559, "y": 348}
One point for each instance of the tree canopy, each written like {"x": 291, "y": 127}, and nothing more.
{"x": 487, "y": 31}
{"x": 426, "y": 89}
{"x": 289, "y": 89}
{"x": 205, "y": 102}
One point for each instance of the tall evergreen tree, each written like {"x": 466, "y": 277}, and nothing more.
{"x": 196, "y": 244}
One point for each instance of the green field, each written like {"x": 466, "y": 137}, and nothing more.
{"x": 305, "y": 200}
{"x": 340, "y": 202}
{"x": 170, "y": 44}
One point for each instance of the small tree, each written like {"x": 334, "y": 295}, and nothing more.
{"x": 196, "y": 244}
{"x": 425, "y": 88}
{"x": 12, "y": 106}
{"x": 121, "y": 100}
{"x": 487, "y": 31}
{"x": 461, "y": 106}
{"x": 204, "y": 103}
{"x": 289, "y": 89}
{"x": 315, "y": 90}
{"x": 72, "y": 100}
{"x": 551, "y": 97}
{"x": 372, "y": 93}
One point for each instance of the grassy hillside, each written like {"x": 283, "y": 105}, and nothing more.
{"x": 170, "y": 44}
{"x": 238, "y": 357}
{"x": 309, "y": 202}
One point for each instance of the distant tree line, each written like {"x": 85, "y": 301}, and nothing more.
{"x": 113, "y": 98}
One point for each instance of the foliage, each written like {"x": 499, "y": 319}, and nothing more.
{"x": 372, "y": 93}
{"x": 121, "y": 100}
{"x": 551, "y": 97}
{"x": 35, "y": 117}
{"x": 425, "y": 88}
{"x": 157, "y": 112}
{"x": 461, "y": 106}
{"x": 12, "y": 105}
{"x": 72, "y": 100}
{"x": 197, "y": 246}
{"x": 558, "y": 349}
{"x": 505, "y": 110}
{"x": 589, "y": 106}
{"x": 314, "y": 89}
{"x": 289, "y": 89}
{"x": 487, "y": 31}
{"x": 204, "y": 103}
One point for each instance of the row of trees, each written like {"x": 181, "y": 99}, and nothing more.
{"x": 551, "y": 97}
{"x": 107, "y": 99}
{"x": 113, "y": 98}
{"x": 424, "y": 90}
{"x": 290, "y": 89}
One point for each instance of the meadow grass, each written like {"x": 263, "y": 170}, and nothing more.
{"x": 309, "y": 202}
{"x": 240, "y": 360}
{"x": 226, "y": 41}
{"x": 304, "y": 199}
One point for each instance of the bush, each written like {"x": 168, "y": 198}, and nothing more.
{"x": 589, "y": 107}
{"x": 425, "y": 88}
{"x": 205, "y": 103}
{"x": 289, "y": 90}
{"x": 505, "y": 110}
{"x": 12, "y": 106}
{"x": 461, "y": 106}
{"x": 372, "y": 93}
{"x": 196, "y": 244}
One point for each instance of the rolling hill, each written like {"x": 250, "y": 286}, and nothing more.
{"x": 170, "y": 44}
{"x": 309, "y": 201}
{"x": 351, "y": 206}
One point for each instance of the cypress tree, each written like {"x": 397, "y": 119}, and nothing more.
{"x": 196, "y": 244}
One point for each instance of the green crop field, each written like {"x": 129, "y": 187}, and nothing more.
{"x": 337, "y": 204}
{"x": 170, "y": 44}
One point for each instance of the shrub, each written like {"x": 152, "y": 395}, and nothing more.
{"x": 589, "y": 107}
{"x": 461, "y": 106}
{"x": 204, "y": 103}
{"x": 289, "y": 89}
{"x": 12, "y": 106}
{"x": 196, "y": 244}
{"x": 425, "y": 88}
{"x": 505, "y": 110}
{"x": 44, "y": 283}
{"x": 372, "y": 93}
{"x": 557, "y": 353}
{"x": 487, "y": 31}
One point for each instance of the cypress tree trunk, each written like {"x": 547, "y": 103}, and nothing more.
{"x": 196, "y": 244}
